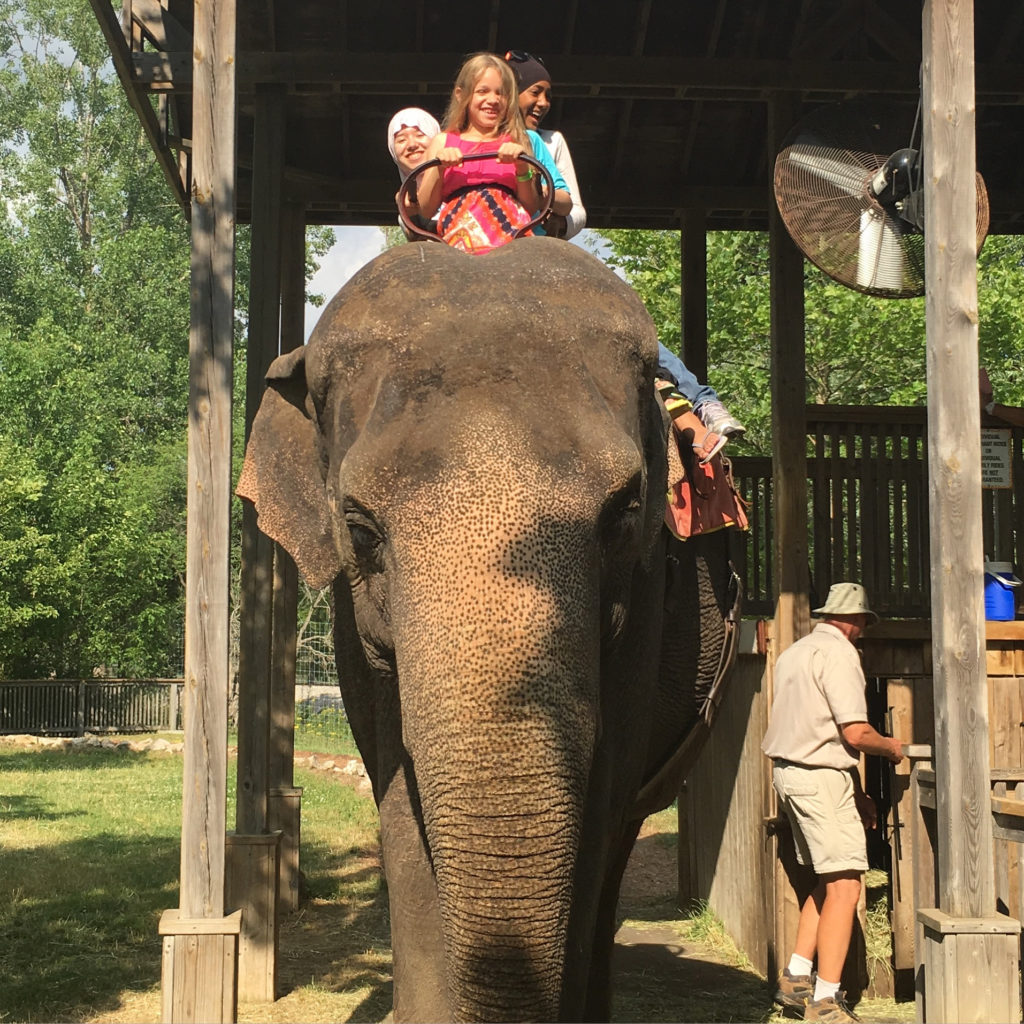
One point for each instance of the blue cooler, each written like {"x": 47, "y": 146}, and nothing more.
{"x": 1000, "y": 591}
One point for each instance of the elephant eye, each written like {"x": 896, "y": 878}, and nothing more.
{"x": 367, "y": 542}
{"x": 622, "y": 512}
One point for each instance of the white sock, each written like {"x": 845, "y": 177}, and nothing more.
{"x": 799, "y": 965}
{"x": 825, "y": 989}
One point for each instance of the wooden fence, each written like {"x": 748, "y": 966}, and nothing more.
{"x": 73, "y": 707}
{"x": 867, "y": 492}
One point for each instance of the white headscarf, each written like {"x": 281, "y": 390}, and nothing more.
{"x": 410, "y": 117}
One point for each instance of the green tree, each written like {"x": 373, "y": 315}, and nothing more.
{"x": 860, "y": 350}
{"x": 94, "y": 307}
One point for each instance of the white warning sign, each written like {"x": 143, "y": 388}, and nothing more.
{"x": 995, "y": 458}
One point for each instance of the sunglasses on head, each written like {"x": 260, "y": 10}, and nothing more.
{"x": 521, "y": 56}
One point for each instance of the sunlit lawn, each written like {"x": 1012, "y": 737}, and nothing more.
{"x": 89, "y": 852}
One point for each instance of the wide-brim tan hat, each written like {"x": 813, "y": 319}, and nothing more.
{"x": 847, "y": 599}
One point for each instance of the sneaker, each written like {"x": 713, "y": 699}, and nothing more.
{"x": 794, "y": 990}
{"x": 832, "y": 1011}
{"x": 718, "y": 420}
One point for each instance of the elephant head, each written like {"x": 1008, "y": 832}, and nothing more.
{"x": 469, "y": 449}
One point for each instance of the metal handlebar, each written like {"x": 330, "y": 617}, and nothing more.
{"x": 538, "y": 217}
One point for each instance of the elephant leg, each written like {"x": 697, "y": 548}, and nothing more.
{"x": 420, "y": 982}
{"x": 599, "y": 985}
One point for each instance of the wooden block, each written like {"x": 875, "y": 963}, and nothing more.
{"x": 199, "y": 968}
{"x": 999, "y": 660}
{"x": 969, "y": 967}
{"x": 251, "y": 886}
{"x": 284, "y": 814}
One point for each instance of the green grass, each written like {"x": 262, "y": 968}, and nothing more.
{"x": 89, "y": 847}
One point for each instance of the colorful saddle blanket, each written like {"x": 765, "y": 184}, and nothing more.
{"x": 477, "y": 219}
{"x": 702, "y": 496}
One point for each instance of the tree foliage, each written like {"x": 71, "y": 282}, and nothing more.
{"x": 859, "y": 350}
{"x": 94, "y": 309}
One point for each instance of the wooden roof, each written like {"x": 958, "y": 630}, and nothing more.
{"x": 665, "y": 103}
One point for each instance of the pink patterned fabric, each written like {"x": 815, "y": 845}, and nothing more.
{"x": 474, "y": 173}
{"x": 480, "y": 210}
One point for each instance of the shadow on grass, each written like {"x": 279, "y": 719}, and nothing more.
{"x": 61, "y": 759}
{"x": 14, "y": 806}
{"x": 70, "y": 948}
{"x": 655, "y": 981}
{"x": 339, "y": 939}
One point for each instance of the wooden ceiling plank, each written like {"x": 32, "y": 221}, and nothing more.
{"x": 626, "y": 111}
{"x": 492, "y": 26}
{"x": 271, "y": 16}
{"x": 1009, "y": 36}
{"x": 832, "y": 35}
{"x": 139, "y": 102}
{"x": 890, "y": 34}
{"x": 159, "y": 26}
{"x": 582, "y": 76}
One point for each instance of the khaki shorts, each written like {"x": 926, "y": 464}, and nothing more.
{"x": 827, "y": 827}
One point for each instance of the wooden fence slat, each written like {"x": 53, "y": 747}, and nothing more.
{"x": 74, "y": 707}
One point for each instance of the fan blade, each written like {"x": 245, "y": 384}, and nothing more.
{"x": 850, "y": 178}
{"x": 879, "y": 253}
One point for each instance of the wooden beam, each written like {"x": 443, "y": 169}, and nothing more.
{"x": 254, "y": 691}
{"x": 693, "y": 253}
{"x": 788, "y": 383}
{"x": 714, "y": 78}
{"x": 207, "y": 664}
{"x": 122, "y": 60}
{"x": 394, "y": 73}
{"x": 159, "y": 26}
{"x": 966, "y": 879}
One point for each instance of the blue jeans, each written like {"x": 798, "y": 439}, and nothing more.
{"x": 689, "y": 387}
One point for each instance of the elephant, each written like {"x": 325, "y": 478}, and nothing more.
{"x": 470, "y": 452}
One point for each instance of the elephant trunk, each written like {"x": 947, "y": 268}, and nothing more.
{"x": 503, "y": 860}
{"x": 499, "y": 688}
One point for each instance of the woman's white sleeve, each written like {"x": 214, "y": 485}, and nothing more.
{"x": 576, "y": 221}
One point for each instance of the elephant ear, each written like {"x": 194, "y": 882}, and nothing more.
{"x": 281, "y": 473}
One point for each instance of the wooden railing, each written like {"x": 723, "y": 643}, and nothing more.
{"x": 63, "y": 707}
{"x": 867, "y": 490}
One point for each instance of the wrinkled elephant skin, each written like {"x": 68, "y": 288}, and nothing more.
{"x": 470, "y": 451}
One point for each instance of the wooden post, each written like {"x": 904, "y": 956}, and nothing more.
{"x": 257, "y": 548}
{"x": 252, "y": 884}
{"x": 789, "y": 488}
{"x": 693, "y": 251}
{"x": 285, "y": 799}
{"x": 789, "y": 427}
{"x": 963, "y": 948}
{"x": 254, "y": 857}
{"x": 200, "y": 944}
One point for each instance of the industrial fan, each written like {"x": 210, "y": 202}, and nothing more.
{"x": 852, "y": 198}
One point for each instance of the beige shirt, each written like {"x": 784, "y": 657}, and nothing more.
{"x": 819, "y": 687}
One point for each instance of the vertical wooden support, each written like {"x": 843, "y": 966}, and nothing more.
{"x": 693, "y": 252}
{"x": 960, "y": 952}
{"x": 954, "y": 463}
{"x": 199, "y": 967}
{"x": 200, "y": 944}
{"x": 285, "y": 799}
{"x": 689, "y": 889}
{"x": 253, "y": 864}
{"x": 252, "y": 883}
{"x": 257, "y": 548}
{"x": 789, "y": 427}
{"x": 789, "y": 489}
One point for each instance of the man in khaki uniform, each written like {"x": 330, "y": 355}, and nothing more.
{"x": 817, "y": 733}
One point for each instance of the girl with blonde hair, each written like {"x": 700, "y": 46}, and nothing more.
{"x": 482, "y": 204}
